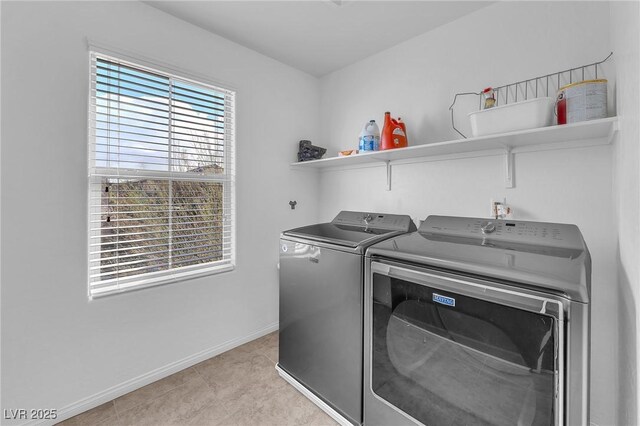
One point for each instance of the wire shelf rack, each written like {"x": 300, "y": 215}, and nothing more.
{"x": 534, "y": 87}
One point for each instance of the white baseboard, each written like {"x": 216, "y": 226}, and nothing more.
{"x": 147, "y": 378}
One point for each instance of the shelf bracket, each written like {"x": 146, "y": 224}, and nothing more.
{"x": 615, "y": 126}
{"x": 509, "y": 175}
{"x": 388, "y": 163}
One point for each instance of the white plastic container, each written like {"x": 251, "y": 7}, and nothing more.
{"x": 369, "y": 139}
{"x": 529, "y": 114}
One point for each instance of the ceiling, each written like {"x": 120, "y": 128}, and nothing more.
{"x": 321, "y": 36}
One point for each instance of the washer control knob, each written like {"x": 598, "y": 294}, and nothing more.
{"x": 488, "y": 227}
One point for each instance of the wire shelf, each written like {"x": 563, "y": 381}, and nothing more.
{"x": 534, "y": 87}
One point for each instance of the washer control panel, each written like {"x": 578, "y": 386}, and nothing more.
{"x": 519, "y": 231}
{"x": 392, "y": 222}
{"x": 488, "y": 227}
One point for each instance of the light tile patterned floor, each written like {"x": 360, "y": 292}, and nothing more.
{"x": 239, "y": 387}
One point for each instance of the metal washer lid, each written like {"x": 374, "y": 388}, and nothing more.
{"x": 556, "y": 260}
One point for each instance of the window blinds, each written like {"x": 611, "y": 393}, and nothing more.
{"x": 161, "y": 177}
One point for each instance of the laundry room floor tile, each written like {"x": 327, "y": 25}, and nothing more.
{"x": 237, "y": 388}
{"x": 154, "y": 390}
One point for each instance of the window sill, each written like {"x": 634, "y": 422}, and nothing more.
{"x": 122, "y": 287}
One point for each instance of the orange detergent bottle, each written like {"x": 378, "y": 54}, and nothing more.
{"x": 393, "y": 133}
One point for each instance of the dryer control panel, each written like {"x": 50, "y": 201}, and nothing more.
{"x": 515, "y": 231}
{"x": 391, "y": 222}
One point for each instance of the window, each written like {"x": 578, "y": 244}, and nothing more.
{"x": 161, "y": 177}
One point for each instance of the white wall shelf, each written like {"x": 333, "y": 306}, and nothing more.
{"x": 576, "y": 135}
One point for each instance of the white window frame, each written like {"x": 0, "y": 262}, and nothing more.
{"x": 152, "y": 279}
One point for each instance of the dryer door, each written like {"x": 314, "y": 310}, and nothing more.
{"x": 451, "y": 351}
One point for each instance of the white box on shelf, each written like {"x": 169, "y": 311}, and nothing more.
{"x": 529, "y": 114}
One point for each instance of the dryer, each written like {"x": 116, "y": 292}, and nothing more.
{"x": 475, "y": 321}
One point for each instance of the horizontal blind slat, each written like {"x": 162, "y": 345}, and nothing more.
{"x": 119, "y": 252}
{"x": 159, "y": 97}
{"x": 132, "y": 107}
{"x": 169, "y": 257}
{"x": 136, "y": 70}
{"x": 96, "y": 246}
{"x": 174, "y": 175}
{"x": 131, "y": 79}
{"x": 144, "y": 268}
{"x": 210, "y": 107}
{"x": 127, "y": 234}
{"x": 108, "y": 124}
{"x": 198, "y": 93}
{"x": 205, "y": 145}
{"x": 190, "y": 117}
{"x": 164, "y": 141}
{"x": 164, "y": 219}
{"x": 133, "y": 252}
{"x": 103, "y": 71}
{"x": 123, "y": 245}
{"x": 151, "y": 223}
{"x": 133, "y": 212}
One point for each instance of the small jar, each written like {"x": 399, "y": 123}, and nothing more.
{"x": 489, "y": 98}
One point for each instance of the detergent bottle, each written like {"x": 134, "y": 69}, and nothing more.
{"x": 369, "y": 139}
{"x": 393, "y": 135}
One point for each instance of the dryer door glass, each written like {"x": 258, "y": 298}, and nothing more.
{"x": 447, "y": 358}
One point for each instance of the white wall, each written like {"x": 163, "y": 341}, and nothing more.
{"x": 625, "y": 34}
{"x": 417, "y": 79}
{"x": 57, "y": 347}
